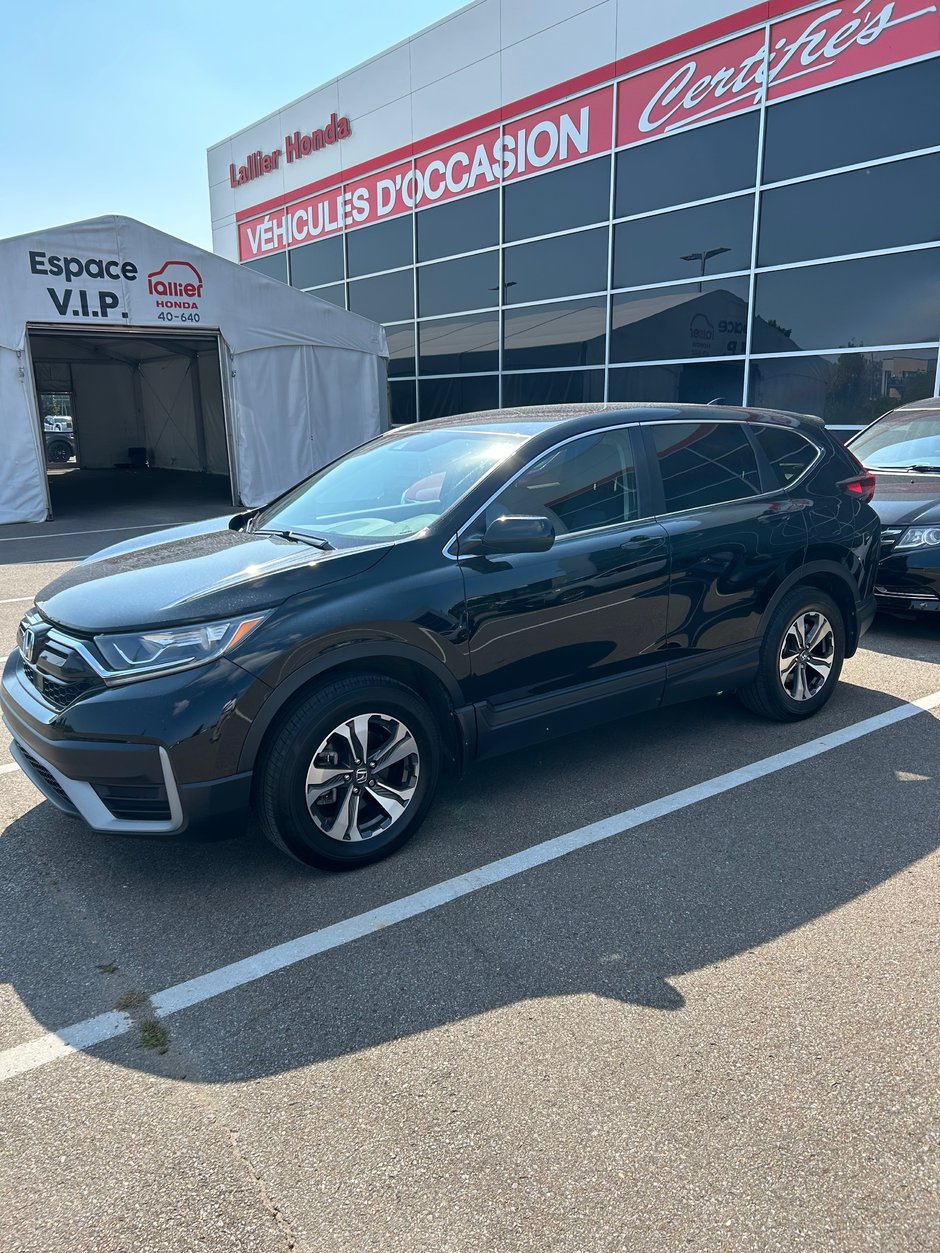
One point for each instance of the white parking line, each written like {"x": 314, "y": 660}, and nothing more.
{"x": 91, "y": 1031}
{"x": 15, "y": 600}
{"x": 9, "y": 769}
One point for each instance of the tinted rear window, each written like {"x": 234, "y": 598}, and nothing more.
{"x": 704, "y": 463}
{"x": 789, "y": 454}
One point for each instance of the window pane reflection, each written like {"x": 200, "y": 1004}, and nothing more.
{"x": 442, "y": 397}
{"x": 401, "y": 349}
{"x": 462, "y": 225}
{"x": 381, "y": 247}
{"x": 335, "y": 294}
{"x": 560, "y": 201}
{"x": 709, "y": 239}
{"x": 563, "y": 266}
{"x": 558, "y": 388}
{"x": 846, "y": 389}
{"x": 695, "y": 384}
{"x": 570, "y": 332}
{"x": 691, "y": 320}
{"x": 317, "y": 263}
{"x": 692, "y": 165}
{"x": 403, "y": 403}
{"x": 272, "y": 266}
{"x": 460, "y": 345}
{"x": 452, "y": 286}
{"x": 855, "y": 122}
{"x": 879, "y": 300}
{"x": 387, "y": 298}
{"x": 885, "y": 206}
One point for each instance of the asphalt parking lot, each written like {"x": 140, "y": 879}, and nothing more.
{"x": 707, "y": 1020}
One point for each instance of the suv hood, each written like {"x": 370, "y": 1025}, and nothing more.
{"x": 907, "y": 499}
{"x": 189, "y": 573}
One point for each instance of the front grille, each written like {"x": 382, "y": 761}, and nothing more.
{"x": 45, "y": 780}
{"x": 889, "y": 537}
{"x": 58, "y": 695}
{"x": 132, "y": 802}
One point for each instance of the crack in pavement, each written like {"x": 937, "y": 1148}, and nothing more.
{"x": 285, "y": 1227}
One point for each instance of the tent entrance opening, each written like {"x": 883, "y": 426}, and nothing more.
{"x": 132, "y": 418}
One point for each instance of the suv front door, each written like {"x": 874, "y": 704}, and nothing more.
{"x": 564, "y": 638}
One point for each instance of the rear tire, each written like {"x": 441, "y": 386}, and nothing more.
{"x": 350, "y": 774}
{"x": 800, "y": 659}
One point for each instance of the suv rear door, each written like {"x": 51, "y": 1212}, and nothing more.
{"x": 734, "y": 534}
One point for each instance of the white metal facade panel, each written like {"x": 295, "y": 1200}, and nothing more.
{"x": 644, "y": 27}
{"x": 560, "y": 52}
{"x": 462, "y": 94}
{"x": 455, "y": 43}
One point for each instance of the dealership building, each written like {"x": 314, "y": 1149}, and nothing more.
{"x": 570, "y": 200}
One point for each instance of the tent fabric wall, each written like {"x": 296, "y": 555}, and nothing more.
{"x": 213, "y": 412}
{"x": 309, "y": 378}
{"x": 105, "y": 413}
{"x": 23, "y": 479}
{"x": 166, "y": 388}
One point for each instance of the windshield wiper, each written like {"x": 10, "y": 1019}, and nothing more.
{"x": 919, "y": 468}
{"x": 302, "y": 537}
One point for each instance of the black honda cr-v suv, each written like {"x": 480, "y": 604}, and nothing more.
{"x": 445, "y": 592}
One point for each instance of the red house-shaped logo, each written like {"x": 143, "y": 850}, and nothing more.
{"x": 179, "y": 279}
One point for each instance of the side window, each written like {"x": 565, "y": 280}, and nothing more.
{"x": 583, "y": 485}
{"x": 789, "y": 454}
{"x": 704, "y": 463}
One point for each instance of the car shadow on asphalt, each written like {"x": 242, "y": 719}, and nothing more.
{"x": 909, "y": 636}
{"x": 622, "y": 920}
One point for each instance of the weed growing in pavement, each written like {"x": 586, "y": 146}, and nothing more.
{"x": 153, "y": 1036}
{"x": 131, "y": 1000}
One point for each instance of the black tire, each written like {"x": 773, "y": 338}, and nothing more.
{"x": 281, "y": 776}
{"x": 766, "y": 694}
{"x": 58, "y": 452}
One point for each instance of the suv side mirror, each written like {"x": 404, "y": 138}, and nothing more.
{"x": 511, "y": 534}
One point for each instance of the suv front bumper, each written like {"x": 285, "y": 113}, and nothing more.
{"x": 92, "y": 761}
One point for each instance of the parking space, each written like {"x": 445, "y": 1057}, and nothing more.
{"x": 712, "y": 1029}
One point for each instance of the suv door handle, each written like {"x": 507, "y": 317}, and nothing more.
{"x": 634, "y": 542}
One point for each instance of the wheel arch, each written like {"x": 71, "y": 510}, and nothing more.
{"x": 432, "y": 681}
{"x": 830, "y": 577}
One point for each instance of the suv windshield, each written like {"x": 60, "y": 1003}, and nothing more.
{"x": 901, "y": 441}
{"x": 392, "y": 488}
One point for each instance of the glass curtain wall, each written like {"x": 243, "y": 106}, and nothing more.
{"x": 788, "y": 256}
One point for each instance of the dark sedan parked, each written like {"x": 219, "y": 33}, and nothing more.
{"x": 445, "y": 592}
{"x": 902, "y": 450}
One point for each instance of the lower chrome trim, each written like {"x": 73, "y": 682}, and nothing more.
{"x": 886, "y": 591}
{"x": 89, "y": 805}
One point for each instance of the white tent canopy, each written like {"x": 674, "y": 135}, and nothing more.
{"x": 282, "y": 382}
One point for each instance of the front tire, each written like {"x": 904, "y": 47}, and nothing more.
{"x": 350, "y": 774}
{"x": 800, "y": 660}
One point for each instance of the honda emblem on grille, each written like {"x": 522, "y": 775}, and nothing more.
{"x": 28, "y": 647}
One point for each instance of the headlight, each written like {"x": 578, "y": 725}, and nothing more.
{"x": 174, "y": 648}
{"x": 920, "y": 537}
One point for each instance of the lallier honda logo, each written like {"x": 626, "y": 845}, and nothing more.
{"x": 175, "y": 287}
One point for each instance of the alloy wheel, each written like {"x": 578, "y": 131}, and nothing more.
{"x": 806, "y": 655}
{"x": 363, "y": 777}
